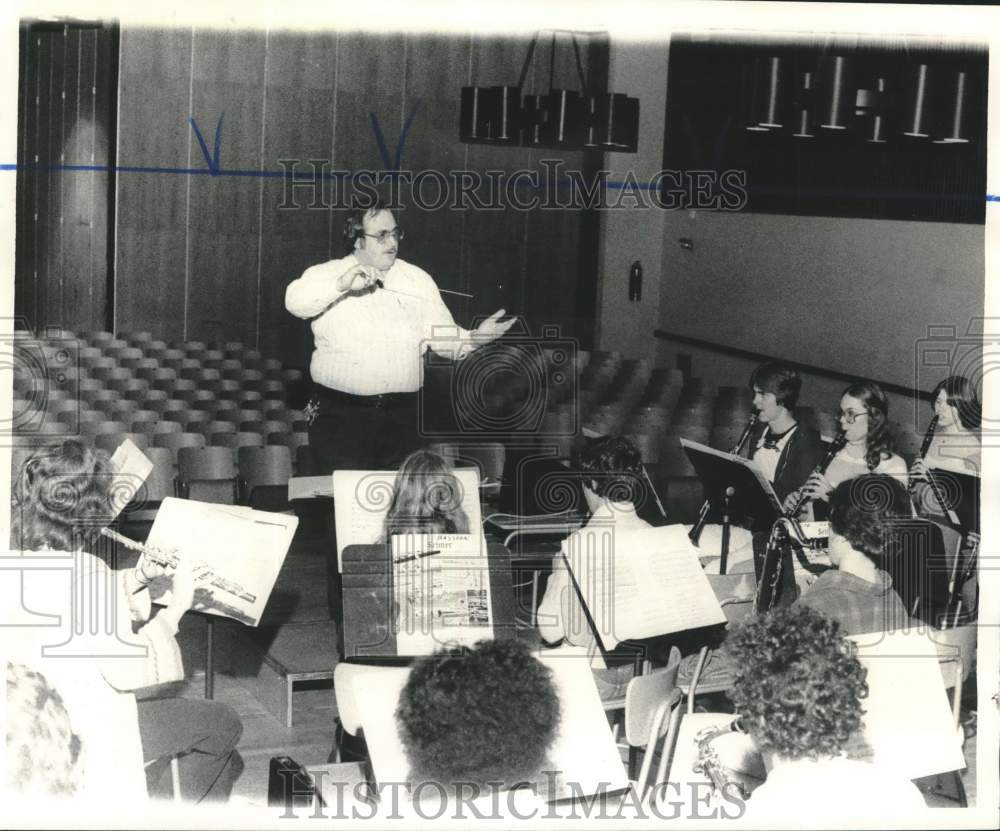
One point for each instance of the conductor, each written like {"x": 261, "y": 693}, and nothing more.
{"x": 373, "y": 317}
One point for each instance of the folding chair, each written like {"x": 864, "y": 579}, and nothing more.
{"x": 649, "y": 699}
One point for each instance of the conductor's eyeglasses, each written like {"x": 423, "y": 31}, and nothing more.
{"x": 850, "y": 416}
{"x": 384, "y": 236}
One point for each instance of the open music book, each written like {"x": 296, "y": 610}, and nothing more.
{"x": 362, "y": 497}
{"x": 441, "y": 586}
{"x": 243, "y": 548}
{"x": 640, "y": 583}
{"x": 131, "y": 468}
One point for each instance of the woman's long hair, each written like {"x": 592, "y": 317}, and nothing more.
{"x": 961, "y": 394}
{"x": 427, "y": 498}
{"x": 880, "y": 443}
{"x": 61, "y": 498}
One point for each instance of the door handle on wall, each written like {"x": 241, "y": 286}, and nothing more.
{"x": 635, "y": 281}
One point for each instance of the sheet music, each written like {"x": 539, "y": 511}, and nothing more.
{"x": 640, "y": 583}
{"x": 242, "y": 546}
{"x": 131, "y": 468}
{"x": 908, "y": 721}
{"x": 442, "y": 591}
{"x": 362, "y": 498}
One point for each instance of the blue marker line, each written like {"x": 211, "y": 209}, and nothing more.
{"x": 344, "y": 174}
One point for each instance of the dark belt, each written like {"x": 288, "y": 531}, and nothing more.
{"x": 383, "y": 401}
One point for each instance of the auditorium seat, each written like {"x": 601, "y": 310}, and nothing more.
{"x": 234, "y": 441}
{"x": 212, "y": 428}
{"x": 288, "y": 439}
{"x": 264, "y": 474}
{"x": 142, "y": 420}
{"x": 176, "y": 441}
{"x": 207, "y": 474}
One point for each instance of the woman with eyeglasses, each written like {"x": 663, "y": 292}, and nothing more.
{"x": 868, "y": 448}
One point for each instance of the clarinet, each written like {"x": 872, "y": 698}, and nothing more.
{"x": 169, "y": 560}
{"x": 695, "y": 533}
{"x": 924, "y": 448}
{"x": 835, "y": 447}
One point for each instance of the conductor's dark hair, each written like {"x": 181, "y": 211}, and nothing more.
{"x": 611, "y": 467}
{"x": 961, "y": 395}
{"x": 863, "y": 509}
{"x": 61, "y": 498}
{"x": 798, "y": 684}
{"x": 779, "y": 379}
{"x": 486, "y": 715}
{"x": 354, "y": 222}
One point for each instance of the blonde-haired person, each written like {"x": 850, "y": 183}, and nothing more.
{"x": 426, "y": 499}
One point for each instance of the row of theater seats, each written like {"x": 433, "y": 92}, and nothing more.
{"x": 213, "y": 418}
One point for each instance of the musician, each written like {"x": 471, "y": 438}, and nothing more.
{"x": 857, "y": 592}
{"x": 427, "y": 498}
{"x": 785, "y": 450}
{"x": 485, "y": 715}
{"x": 864, "y": 422}
{"x": 62, "y": 503}
{"x": 955, "y": 445}
{"x": 800, "y": 690}
{"x": 45, "y": 757}
{"x": 372, "y": 316}
{"x": 611, "y": 472}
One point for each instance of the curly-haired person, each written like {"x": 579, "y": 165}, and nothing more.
{"x": 858, "y": 592}
{"x": 44, "y": 756}
{"x": 485, "y": 715}
{"x": 799, "y": 689}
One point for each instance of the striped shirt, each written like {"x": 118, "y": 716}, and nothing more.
{"x": 373, "y": 342}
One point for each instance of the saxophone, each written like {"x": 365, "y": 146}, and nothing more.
{"x": 724, "y": 779}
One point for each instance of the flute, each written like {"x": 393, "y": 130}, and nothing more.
{"x": 169, "y": 560}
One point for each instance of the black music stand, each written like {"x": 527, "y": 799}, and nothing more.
{"x": 962, "y": 493}
{"x": 754, "y": 497}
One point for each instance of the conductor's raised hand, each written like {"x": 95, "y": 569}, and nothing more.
{"x": 357, "y": 278}
{"x": 493, "y": 327}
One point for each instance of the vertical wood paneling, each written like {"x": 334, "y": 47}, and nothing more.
{"x": 434, "y": 234}
{"x": 154, "y": 92}
{"x": 223, "y": 258}
{"x": 298, "y": 124}
{"x": 223, "y": 226}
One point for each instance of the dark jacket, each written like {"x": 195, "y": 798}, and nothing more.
{"x": 799, "y": 457}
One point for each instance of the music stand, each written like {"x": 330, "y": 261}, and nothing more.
{"x": 962, "y": 492}
{"x": 754, "y": 496}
